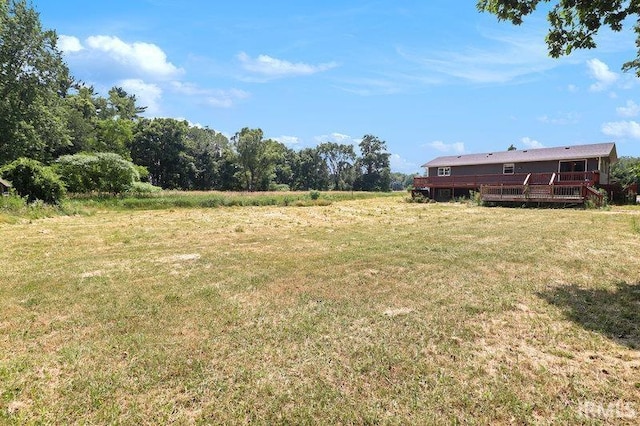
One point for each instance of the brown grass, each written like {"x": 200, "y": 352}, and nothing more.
{"x": 370, "y": 311}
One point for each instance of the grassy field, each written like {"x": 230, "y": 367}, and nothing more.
{"x": 363, "y": 311}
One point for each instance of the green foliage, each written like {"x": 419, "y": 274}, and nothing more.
{"x": 373, "y": 169}
{"x": 114, "y": 135}
{"x": 100, "y": 172}
{"x": 143, "y": 172}
{"x": 33, "y": 180}
{"x": 314, "y": 195}
{"x": 121, "y": 105}
{"x": 400, "y": 181}
{"x": 572, "y": 25}
{"x": 206, "y": 149}
{"x": 340, "y": 161}
{"x": 310, "y": 170}
{"x": 256, "y": 158}
{"x": 160, "y": 146}
{"x": 280, "y": 187}
{"x": 626, "y": 171}
{"x": 143, "y": 188}
{"x": 12, "y": 203}
{"x": 32, "y": 82}
{"x": 418, "y": 198}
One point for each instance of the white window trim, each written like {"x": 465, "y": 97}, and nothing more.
{"x": 580, "y": 160}
{"x": 512, "y": 166}
{"x": 444, "y": 171}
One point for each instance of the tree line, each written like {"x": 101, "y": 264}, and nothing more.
{"x": 49, "y": 118}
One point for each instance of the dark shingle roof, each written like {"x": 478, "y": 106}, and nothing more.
{"x": 529, "y": 155}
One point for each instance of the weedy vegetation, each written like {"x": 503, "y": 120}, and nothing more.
{"x": 359, "y": 311}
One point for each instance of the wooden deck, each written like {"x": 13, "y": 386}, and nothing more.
{"x": 567, "y": 194}
{"x": 567, "y": 188}
{"x": 475, "y": 181}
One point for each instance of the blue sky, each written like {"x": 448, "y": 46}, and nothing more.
{"x": 427, "y": 77}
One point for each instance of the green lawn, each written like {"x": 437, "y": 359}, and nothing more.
{"x": 363, "y": 311}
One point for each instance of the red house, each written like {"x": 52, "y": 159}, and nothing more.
{"x": 567, "y": 174}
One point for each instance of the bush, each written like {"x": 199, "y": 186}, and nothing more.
{"x": 280, "y": 187}
{"x": 100, "y": 172}
{"x": 418, "y": 198}
{"x": 33, "y": 180}
{"x": 12, "y": 203}
{"x": 143, "y": 188}
{"x": 314, "y": 195}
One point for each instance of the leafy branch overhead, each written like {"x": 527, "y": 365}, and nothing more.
{"x": 573, "y": 24}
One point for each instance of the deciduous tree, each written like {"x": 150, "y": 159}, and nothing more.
{"x": 573, "y": 24}
{"x": 256, "y": 158}
{"x": 340, "y": 160}
{"x": 159, "y": 145}
{"x": 31, "y": 179}
{"x": 33, "y": 80}
{"x": 373, "y": 165}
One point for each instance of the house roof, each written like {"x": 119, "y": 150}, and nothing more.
{"x": 5, "y": 183}
{"x": 529, "y": 155}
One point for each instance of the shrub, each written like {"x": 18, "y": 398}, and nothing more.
{"x": 280, "y": 187}
{"x": 143, "y": 188}
{"x": 100, "y": 172}
{"x": 314, "y": 195}
{"x": 418, "y": 198}
{"x": 12, "y": 203}
{"x": 33, "y": 180}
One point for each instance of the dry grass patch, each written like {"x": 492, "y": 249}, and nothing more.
{"x": 369, "y": 311}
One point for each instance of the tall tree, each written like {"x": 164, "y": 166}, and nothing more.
{"x": 33, "y": 80}
{"x": 122, "y": 105}
{"x": 573, "y": 24}
{"x": 205, "y": 146}
{"x": 160, "y": 145}
{"x": 310, "y": 171}
{"x": 81, "y": 120}
{"x": 373, "y": 165}
{"x": 285, "y": 163}
{"x": 256, "y": 158}
{"x": 340, "y": 161}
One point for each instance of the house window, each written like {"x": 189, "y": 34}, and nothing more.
{"x": 444, "y": 171}
{"x": 572, "y": 166}
{"x": 507, "y": 169}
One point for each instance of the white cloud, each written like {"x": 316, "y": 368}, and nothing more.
{"x": 288, "y": 140}
{"x": 456, "y": 147}
{"x": 562, "y": 118}
{"x": 189, "y": 89}
{"x": 622, "y": 129}
{"x": 225, "y": 98}
{"x": 631, "y": 109}
{"x": 374, "y": 86}
{"x": 337, "y": 138}
{"x": 147, "y": 94}
{"x": 400, "y": 164}
{"x": 69, "y": 44}
{"x": 213, "y": 97}
{"x": 602, "y": 74}
{"x": 270, "y": 67}
{"x": 142, "y": 57}
{"x": 572, "y": 88}
{"x": 531, "y": 143}
{"x": 510, "y": 59}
